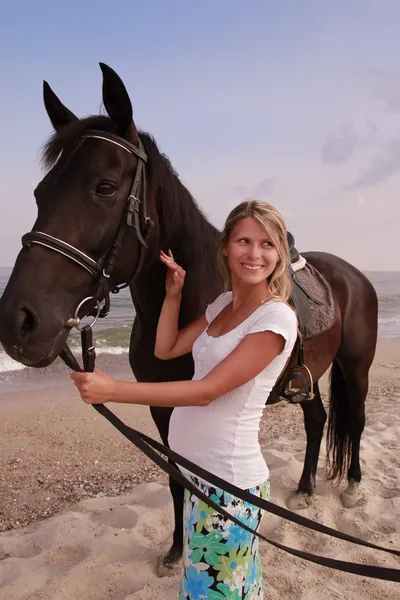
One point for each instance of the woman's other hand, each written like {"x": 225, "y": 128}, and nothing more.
{"x": 175, "y": 278}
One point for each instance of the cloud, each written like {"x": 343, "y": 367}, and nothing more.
{"x": 383, "y": 166}
{"x": 264, "y": 189}
{"x": 339, "y": 147}
{"x": 387, "y": 88}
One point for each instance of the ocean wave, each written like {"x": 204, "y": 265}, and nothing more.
{"x": 389, "y": 319}
{"x": 114, "y": 350}
{"x": 389, "y": 327}
{"x": 389, "y": 304}
{"x": 115, "y": 341}
{"x": 113, "y": 337}
{"x": 7, "y": 364}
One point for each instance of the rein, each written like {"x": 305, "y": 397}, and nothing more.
{"x": 151, "y": 448}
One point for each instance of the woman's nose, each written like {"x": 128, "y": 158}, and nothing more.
{"x": 254, "y": 251}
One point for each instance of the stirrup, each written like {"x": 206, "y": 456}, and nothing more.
{"x": 302, "y": 391}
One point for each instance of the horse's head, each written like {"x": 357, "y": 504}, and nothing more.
{"x": 91, "y": 228}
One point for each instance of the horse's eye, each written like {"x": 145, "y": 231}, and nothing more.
{"x": 105, "y": 189}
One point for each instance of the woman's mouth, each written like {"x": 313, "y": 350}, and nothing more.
{"x": 252, "y": 267}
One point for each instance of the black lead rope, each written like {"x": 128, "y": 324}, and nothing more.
{"x": 149, "y": 446}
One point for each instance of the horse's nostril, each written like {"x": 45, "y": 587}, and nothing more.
{"x": 28, "y": 321}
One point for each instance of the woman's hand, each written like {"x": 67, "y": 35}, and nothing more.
{"x": 96, "y": 387}
{"x": 175, "y": 274}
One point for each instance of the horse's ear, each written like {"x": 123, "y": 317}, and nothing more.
{"x": 117, "y": 102}
{"x": 59, "y": 114}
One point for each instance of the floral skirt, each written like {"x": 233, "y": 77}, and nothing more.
{"x": 221, "y": 560}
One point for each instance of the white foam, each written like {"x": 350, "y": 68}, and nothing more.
{"x": 116, "y": 350}
{"x": 8, "y": 364}
{"x": 389, "y": 319}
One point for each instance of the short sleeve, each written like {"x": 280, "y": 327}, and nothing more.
{"x": 215, "y": 307}
{"x": 277, "y": 317}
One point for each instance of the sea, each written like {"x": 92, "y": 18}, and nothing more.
{"x": 112, "y": 335}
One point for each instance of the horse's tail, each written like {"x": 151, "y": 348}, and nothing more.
{"x": 339, "y": 444}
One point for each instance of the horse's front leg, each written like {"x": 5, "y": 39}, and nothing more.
{"x": 314, "y": 421}
{"x": 161, "y": 417}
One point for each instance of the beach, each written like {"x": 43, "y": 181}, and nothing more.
{"x": 83, "y": 514}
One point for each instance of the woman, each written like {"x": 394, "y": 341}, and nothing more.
{"x": 240, "y": 346}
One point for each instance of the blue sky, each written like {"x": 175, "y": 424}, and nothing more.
{"x": 293, "y": 102}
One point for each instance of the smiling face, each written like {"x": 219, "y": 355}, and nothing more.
{"x": 251, "y": 254}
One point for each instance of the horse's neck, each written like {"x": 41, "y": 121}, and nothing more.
{"x": 202, "y": 283}
{"x": 193, "y": 240}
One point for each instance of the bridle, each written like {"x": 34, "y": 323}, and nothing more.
{"x": 102, "y": 268}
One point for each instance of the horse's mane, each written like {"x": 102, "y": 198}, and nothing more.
{"x": 181, "y": 220}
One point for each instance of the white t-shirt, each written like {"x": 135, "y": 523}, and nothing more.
{"x": 222, "y": 437}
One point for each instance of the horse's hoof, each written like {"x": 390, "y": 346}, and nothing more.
{"x": 299, "y": 500}
{"x": 171, "y": 562}
{"x": 352, "y": 495}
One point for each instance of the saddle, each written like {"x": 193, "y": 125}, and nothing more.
{"x": 313, "y": 301}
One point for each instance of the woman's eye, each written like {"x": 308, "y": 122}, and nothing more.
{"x": 105, "y": 189}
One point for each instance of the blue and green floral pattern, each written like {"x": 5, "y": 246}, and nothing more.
{"x": 221, "y": 560}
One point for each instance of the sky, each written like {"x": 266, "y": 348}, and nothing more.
{"x": 295, "y": 103}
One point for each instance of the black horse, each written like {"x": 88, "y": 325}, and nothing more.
{"x": 82, "y": 244}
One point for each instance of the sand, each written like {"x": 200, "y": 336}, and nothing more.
{"x": 84, "y": 515}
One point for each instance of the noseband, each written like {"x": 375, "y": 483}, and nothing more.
{"x": 102, "y": 269}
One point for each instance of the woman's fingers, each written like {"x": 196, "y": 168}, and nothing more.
{"x": 168, "y": 256}
{"x": 175, "y": 274}
{"x": 170, "y": 263}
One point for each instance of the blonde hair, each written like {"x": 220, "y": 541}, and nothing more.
{"x": 270, "y": 218}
